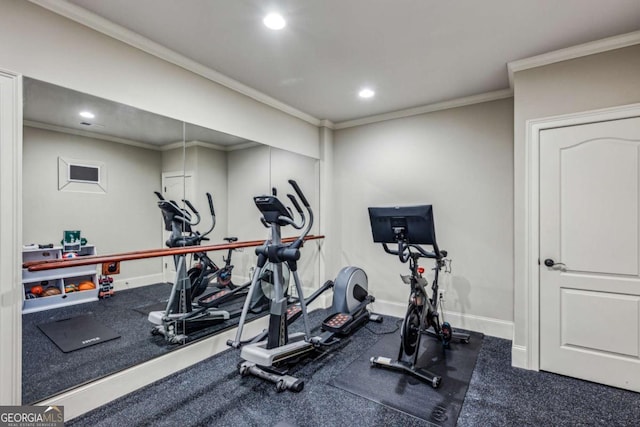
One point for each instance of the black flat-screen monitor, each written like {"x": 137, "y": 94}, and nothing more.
{"x": 413, "y": 224}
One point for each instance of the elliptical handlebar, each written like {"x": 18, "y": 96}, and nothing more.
{"x": 299, "y": 193}
{"x": 213, "y": 216}
{"x": 274, "y": 212}
{"x": 183, "y": 218}
{"x": 309, "y": 221}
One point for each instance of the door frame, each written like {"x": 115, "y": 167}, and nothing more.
{"x": 531, "y": 357}
{"x": 11, "y": 242}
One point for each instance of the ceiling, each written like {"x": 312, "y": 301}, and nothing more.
{"x": 411, "y": 52}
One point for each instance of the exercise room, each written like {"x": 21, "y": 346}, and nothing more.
{"x": 319, "y": 213}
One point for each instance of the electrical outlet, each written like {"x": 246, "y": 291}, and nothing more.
{"x": 441, "y": 293}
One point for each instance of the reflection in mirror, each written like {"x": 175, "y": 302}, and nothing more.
{"x": 233, "y": 171}
{"x": 94, "y": 174}
{"x": 98, "y": 176}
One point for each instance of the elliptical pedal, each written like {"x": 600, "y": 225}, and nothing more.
{"x": 293, "y": 310}
{"x": 336, "y": 322}
{"x": 210, "y": 300}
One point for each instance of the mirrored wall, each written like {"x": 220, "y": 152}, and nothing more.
{"x": 97, "y": 174}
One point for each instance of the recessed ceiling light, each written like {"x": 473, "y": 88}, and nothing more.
{"x": 87, "y": 115}
{"x": 366, "y": 93}
{"x": 274, "y": 21}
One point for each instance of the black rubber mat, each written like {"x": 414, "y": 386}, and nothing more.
{"x": 146, "y": 309}
{"x": 77, "y": 332}
{"x": 408, "y": 394}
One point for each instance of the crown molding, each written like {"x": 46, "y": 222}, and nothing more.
{"x": 172, "y": 146}
{"x": 97, "y": 23}
{"x": 94, "y": 135}
{"x": 218, "y": 147}
{"x": 430, "y": 108}
{"x": 326, "y": 123}
{"x": 165, "y": 147}
{"x": 573, "y": 52}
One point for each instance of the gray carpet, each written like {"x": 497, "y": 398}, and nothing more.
{"x": 500, "y": 395}
{"x": 126, "y": 314}
{"x": 212, "y": 393}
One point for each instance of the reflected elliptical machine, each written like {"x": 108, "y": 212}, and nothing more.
{"x": 183, "y": 314}
{"x": 269, "y": 355}
{"x": 409, "y": 227}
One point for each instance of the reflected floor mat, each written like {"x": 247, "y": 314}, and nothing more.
{"x": 403, "y": 392}
{"x": 77, "y": 332}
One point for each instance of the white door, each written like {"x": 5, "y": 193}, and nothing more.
{"x": 174, "y": 187}
{"x": 589, "y": 226}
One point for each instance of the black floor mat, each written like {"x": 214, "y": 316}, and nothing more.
{"x": 77, "y": 332}
{"x": 406, "y": 393}
{"x": 146, "y": 309}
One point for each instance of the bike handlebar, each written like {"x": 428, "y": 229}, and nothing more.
{"x": 404, "y": 251}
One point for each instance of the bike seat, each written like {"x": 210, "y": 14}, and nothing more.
{"x": 231, "y": 239}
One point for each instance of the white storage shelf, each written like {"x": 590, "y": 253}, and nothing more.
{"x": 57, "y": 278}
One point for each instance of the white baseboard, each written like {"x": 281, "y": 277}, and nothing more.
{"x": 519, "y": 357}
{"x": 136, "y": 282}
{"x": 486, "y": 325}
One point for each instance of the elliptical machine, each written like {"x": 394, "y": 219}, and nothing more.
{"x": 180, "y": 316}
{"x": 183, "y": 314}
{"x": 409, "y": 227}
{"x": 271, "y": 357}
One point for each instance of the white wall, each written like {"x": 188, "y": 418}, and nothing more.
{"x": 123, "y": 219}
{"x": 458, "y": 160}
{"x": 597, "y": 81}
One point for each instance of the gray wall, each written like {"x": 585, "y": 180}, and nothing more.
{"x": 211, "y": 177}
{"x": 592, "y": 82}
{"x": 125, "y": 218}
{"x": 461, "y": 161}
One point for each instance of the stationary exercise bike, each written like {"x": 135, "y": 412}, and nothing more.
{"x": 270, "y": 355}
{"x": 410, "y": 227}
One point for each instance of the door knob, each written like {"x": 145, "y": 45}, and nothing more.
{"x": 551, "y": 263}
